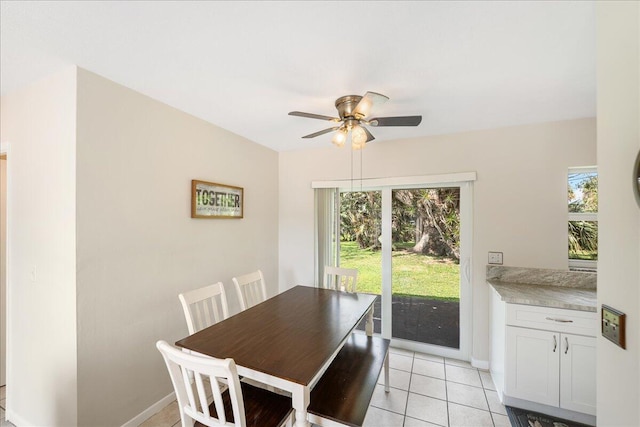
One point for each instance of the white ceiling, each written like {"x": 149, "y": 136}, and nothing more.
{"x": 244, "y": 65}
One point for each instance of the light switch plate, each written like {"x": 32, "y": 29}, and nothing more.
{"x": 614, "y": 325}
{"x": 495, "y": 258}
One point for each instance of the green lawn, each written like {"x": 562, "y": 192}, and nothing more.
{"x": 413, "y": 274}
{"x": 583, "y": 255}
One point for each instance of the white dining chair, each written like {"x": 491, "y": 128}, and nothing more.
{"x": 251, "y": 289}
{"x": 341, "y": 279}
{"x": 204, "y": 306}
{"x": 233, "y": 403}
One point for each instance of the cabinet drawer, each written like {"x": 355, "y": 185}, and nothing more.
{"x": 552, "y": 319}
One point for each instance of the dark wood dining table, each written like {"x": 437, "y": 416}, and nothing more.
{"x": 289, "y": 340}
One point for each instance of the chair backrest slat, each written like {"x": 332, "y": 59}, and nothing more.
{"x": 217, "y": 400}
{"x": 204, "y": 306}
{"x": 192, "y": 401}
{"x": 251, "y": 289}
{"x": 190, "y": 395}
{"x": 341, "y": 279}
{"x": 202, "y": 395}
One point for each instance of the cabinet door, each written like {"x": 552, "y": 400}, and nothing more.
{"x": 532, "y": 366}
{"x": 578, "y": 373}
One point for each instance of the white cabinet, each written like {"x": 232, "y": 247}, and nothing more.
{"x": 532, "y": 370}
{"x": 551, "y": 368}
{"x": 544, "y": 359}
{"x": 577, "y": 373}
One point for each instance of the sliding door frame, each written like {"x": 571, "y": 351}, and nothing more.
{"x": 464, "y": 181}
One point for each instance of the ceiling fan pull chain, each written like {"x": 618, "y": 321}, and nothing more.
{"x": 360, "y": 169}
{"x": 351, "y": 151}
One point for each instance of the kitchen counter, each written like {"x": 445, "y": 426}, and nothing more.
{"x": 570, "y": 298}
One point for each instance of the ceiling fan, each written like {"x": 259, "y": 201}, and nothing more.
{"x": 353, "y": 111}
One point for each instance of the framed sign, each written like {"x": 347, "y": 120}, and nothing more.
{"x": 211, "y": 200}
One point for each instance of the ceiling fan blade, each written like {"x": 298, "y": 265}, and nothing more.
{"x": 322, "y": 132}
{"x": 313, "y": 116}
{"x": 369, "y": 101}
{"x": 369, "y": 136}
{"x": 396, "y": 121}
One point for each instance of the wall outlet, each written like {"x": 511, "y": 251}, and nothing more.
{"x": 495, "y": 258}
{"x": 614, "y": 325}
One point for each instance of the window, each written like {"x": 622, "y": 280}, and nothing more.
{"x": 582, "y": 197}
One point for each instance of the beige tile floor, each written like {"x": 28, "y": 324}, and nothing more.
{"x": 425, "y": 391}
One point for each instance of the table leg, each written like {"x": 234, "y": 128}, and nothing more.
{"x": 369, "y": 325}
{"x": 300, "y": 397}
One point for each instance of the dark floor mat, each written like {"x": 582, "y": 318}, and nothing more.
{"x": 523, "y": 418}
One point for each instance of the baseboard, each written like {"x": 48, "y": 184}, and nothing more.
{"x": 15, "y": 419}
{"x": 480, "y": 364}
{"x": 147, "y": 413}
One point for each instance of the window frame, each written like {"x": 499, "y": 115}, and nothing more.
{"x": 581, "y": 264}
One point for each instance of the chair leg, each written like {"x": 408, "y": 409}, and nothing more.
{"x": 386, "y": 373}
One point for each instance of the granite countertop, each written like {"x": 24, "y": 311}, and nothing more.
{"x": 571, "y": 298}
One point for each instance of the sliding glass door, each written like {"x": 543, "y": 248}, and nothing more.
{"x": 360, "y": 246}
{"x": 425, "y": 266}
{"x": 410, "y": 244}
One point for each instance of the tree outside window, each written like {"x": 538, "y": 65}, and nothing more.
{"x": 582, "y": 197}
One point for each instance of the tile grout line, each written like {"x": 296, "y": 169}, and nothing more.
{"x": 410, "y": 372}
{"x": 386, "y": 409}
{"x": 406, "y": 404}
{"x": 444, "y": 400}
{"x": 446, "y": 391}
{"x": 484, "y": 391}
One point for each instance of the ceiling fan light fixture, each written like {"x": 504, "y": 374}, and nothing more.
{"x": 353, "y": 112}
{"x": 340, "y": 137}
{"x": 358, "y": 138}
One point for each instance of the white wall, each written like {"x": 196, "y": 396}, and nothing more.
{"x": 618, "y": 47}
{"x": 137, "y": 245}
{"x": 39, "y": 123}
{"x": 101, "y": 242}
{"x": 520, "y": 196}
